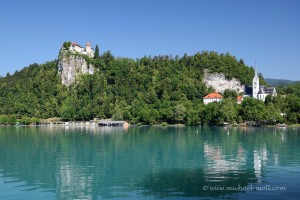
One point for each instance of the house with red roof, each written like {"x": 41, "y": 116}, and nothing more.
{"x": 239, "y": 99}
{"x": 212, "y": 97}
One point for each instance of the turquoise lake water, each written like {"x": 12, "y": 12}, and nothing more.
{"x": 149, "y": 163}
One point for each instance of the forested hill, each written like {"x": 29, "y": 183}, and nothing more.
{"x": 282, "y": 82}
{"x": 148, "y": 90}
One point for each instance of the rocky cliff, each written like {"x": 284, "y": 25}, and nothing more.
{"x": 219, "y": 82}
{"x": 71, "y": 65}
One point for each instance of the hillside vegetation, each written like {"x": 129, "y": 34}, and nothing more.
{"x": 150, "y": 90}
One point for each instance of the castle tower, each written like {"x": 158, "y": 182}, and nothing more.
{"x": 88, "y": 48}
{"x": 89, "y": 51}
{"x": 255, "y": 85}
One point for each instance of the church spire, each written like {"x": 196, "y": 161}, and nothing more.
{"x": 256, "y": 74}
{"x": 255, "y": 84}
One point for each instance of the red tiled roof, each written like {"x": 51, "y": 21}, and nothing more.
{"x": 75, "y": 44}
{"x": 213, "y": 95}
{"x": 239, "y": 98}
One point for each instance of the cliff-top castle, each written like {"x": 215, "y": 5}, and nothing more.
{"x": 85, "y": 51}
{"x": 72, "y": 65}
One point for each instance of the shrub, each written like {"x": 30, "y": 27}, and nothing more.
{"x": 164, "y": 124}
{"x": 67, "y": 45}
{"x": 5, "y": 119}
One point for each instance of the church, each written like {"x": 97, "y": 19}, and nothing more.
{"x": 255, "y": 91}
{"x": 259, "y": 91}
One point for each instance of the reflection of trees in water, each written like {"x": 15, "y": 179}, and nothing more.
{"x": 194, "y": 183}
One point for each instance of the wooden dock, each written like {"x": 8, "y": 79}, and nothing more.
{"x": 75, "y": 123}
{"x": 111, "y": 123}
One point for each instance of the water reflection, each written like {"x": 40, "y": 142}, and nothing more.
{"x": 84, "y": 129}
{"x": 72, "y": 184}
{"x": 110, "y": 162}
{"x": 220, "y": 162}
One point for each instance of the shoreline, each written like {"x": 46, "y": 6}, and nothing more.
{"x": 94, "y": 124}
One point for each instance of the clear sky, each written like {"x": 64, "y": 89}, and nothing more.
{"x": 267, "y": 31}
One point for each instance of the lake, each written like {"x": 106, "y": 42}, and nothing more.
{"x": 149, "y": 163}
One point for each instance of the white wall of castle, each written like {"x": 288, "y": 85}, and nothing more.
{"x": 88, "y": 49}
{"x": 78, "y": 49}
{"x": 85, "y": 51}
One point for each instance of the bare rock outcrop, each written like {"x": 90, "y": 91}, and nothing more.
{"x": 219, "y": 82}
{"x": 71, "y": 66}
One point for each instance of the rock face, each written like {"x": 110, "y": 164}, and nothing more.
{"x": 220, "y": 83}
{"x": 70, "y": 66}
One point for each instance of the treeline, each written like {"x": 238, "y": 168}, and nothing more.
{"x": 35, "y": 91}
{"x": 289, "y": 89}
{"x": 150, "y": 90}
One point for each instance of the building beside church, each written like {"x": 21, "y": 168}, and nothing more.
{"x": 212, "y": 97}
{"x": 239, "y": 99}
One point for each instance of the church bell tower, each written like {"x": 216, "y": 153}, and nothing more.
{"x": 255, "y": 85}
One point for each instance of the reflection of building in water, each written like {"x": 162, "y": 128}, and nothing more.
{"x": 85, "y": 129}
{"x": 71, "y": 184}
{"x": 282, "y": 136}
{"x": 276, "y": 159}
{"x": 259, "y": 159}
{"x": 218, "y": 161}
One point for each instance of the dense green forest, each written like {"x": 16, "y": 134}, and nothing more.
{"x": 150, "y": 90}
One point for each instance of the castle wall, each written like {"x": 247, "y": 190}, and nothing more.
{"x": 85, "y": 51}
{"x": 78, "y": 49}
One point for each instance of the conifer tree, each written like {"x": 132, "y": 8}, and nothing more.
{"x": 96, "y": 54}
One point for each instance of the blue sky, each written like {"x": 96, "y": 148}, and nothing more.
{"x": 266, "y": 31}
